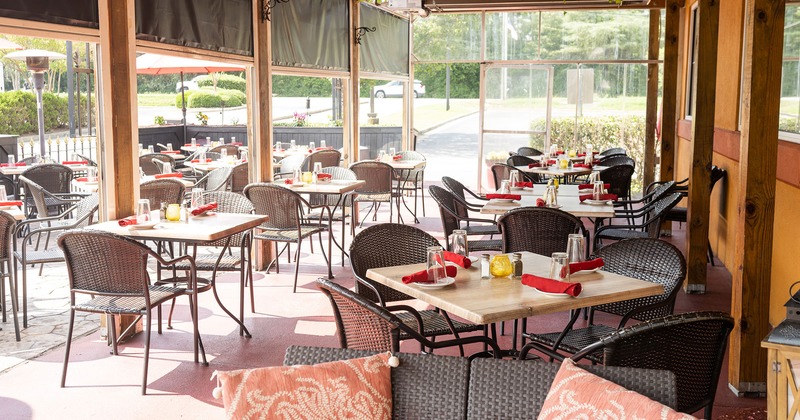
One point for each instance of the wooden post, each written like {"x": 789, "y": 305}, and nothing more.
{"x": 353, "y": 155}
{"x": 669, "y": 106}
{"x": 120, "y": 131}
{"x": 761, "y": 87}
{"x": 702, "y": 145}
{"x": 261, "y": 117}
{"x": 651, "y": 119}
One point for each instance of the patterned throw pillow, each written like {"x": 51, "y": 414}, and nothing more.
{"x": 346, "y": 389}
{"x": 577, "y": 393}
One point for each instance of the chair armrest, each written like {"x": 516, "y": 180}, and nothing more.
{"x": 412, "y": 311}
{"x": 523, "y": 353}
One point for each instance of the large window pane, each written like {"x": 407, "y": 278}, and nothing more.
{"x": 790, "y": 81}
{"x": 512, "y": 36}
{"x": 448, "y": 37}
{"x": 595, "y": 35}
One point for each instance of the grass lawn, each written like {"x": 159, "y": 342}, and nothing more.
{"x": 157, "y": 99}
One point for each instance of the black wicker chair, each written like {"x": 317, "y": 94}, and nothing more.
{"x": 529, "y": 151}
{"x": 649, "y": 225}
{"x": 55, "y": 179}
{"x": 501, "y": 172}
{"x": 7, "y": 227}
{"x": 285, "y": 210}
{"x": 378, "y": 188}
{"x": 452, "y": 214}
{"x": 647, "y": 259}
{"x": 363, "y": 325}
{"x": 619, "y": 180}
{"x": 519, "y": 160}
{"x": 613, "y": 151}
{"x": 113, "y": 271}
{"x": 391, "y": 244}
{"x": 539, "y": 230}
{"x": 166, "y": 190}
{"x": 691, "y": 345}
{"x": 617, "y": 160}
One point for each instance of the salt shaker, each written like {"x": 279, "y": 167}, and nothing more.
{"x": 516, "y": 264}
{"x": 485, "y": 267}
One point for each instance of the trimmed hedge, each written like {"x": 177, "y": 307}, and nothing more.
{"x": 224, "y": 81}
{"x": 18, "y": 112}
{"x": 208, "y": 98}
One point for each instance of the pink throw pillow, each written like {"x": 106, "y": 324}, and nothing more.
{"x": 578, "y": 393}
{"x": 346, "y": 389}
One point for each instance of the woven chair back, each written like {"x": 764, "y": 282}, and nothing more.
{"x": 619, "y": 179}
{"x": 230, "y": 150}
{"x": 54, "y": 178}
{"x": 378, "y": 177}
{"x": 328, "y": 158}
{"x": 386, "y": 245}
{"x": 457, "y": 189}
{"x": 86, "y": 209}
{"x": 216, "y": 180}
{"x": 282, "y": 205}
{"x": 528, "y": 151}
{"x": 614, "y": 151}
{"x": 448, "y": 208}
{"x": 157, "y": 191}
{"x": 659, "y": 211}
{"x": 36, "y": 192}
{"x": 618, "y": 160}
{"x": 229, "y": 202}
{"x": 538, "y": 229}
{"x": 146, "y": 162}
{"x": 7, "y": 225}
{"x": 240, "y": 177}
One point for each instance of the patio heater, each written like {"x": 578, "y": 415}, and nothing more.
{"x": 38, "y": 62}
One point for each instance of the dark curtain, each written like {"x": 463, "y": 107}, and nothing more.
{"x": 311, "y": 34}
{"x": 225, "y": 26}
{"x": 70, "y": 12}
{"x": 384, "y": 51}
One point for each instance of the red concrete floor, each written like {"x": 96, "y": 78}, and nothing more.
{"x": 102, "y": 386}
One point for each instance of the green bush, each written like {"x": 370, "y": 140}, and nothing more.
{"x": 18, "y": 112}
{"x": 208, "y": 98}
{"x": 224, "y": 81}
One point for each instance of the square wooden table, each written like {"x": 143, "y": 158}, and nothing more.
{"x": 505, "y": 299}
{"x": 569, "y": 203}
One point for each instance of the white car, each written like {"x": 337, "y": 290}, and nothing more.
{"x": 395, "y": 88}
{"x": 188, "y": 84}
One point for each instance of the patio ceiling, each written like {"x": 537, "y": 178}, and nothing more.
{"x": 511, "y": 5}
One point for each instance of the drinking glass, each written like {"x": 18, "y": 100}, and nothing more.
{"x": 197, "y": 197}
{"x": 317, "y": 167}
{"x": 550, "y": 197}
{"x": 12, "y": 160}
{"x": 91, "y": 174}
{"x": 292, "y": 144}
{"x": 194, "y": 142}
{"x": 208, "y": 140}
{"x": 322, "y": 144}
{"x": 202, "y": 156}
{"x": 169, "y": 147}
{"x": 233, "y": 139}
{"x": 141, "y": 148}
{"x": 504, "y": 188}
{"x": 559, "y": 266}
{"x": 553, "y": 149}
{"x": 436, "y": 271}
{"x": 143, "y": 211}
{"x": 278, "y": 146}
{"x": 458, "y": 242}
{"x": 150, "y": 149}
{"x": 3, "y": 193}
{"x": 297, "y": 175}
{"x": 311, "y": 145}
{"x": 222, "y": 140}
{"x": 223, "y": 154}
{"x": 545, "y": 159}
{"x": 392, "y": 151}
{"x": 576, "y": 247}
{"x": 513, "y": 178}
{"x": 380, "y": 155}
{"x": 173, "y": 212}
{"x": 597, "y": 189}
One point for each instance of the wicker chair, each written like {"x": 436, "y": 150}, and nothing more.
{"x": 166, "y": 190}
{"x": 363, "y": 325}
{"x": 7, "y": 226}
{"x": 112, "y": 270}
{"x": 378, "y": 188}
{"x": 54, "y": 178}
{"x": 529, "y": 151}
{"x": 613, "y": 151}
{"x": 327, "y": 158}
{"x": 230, "y": 150}
{"x": 617, "y": 160}
{"x": 460, "y": 190}
{"x": 691, "y": 345}
{"x": 538, "y": 229}
{"x": 647, "y": 259}
{"x": 391, "y": 244}
{"x": 451, "y": 212}
{"x": 149, "y": 167}
{"x": 519, "y": 160}
{"x": 619, "y": 180}
{"x": 78, "y": 216}
{"x": 651, "y": 216}
{"x": 501, "y": 172}
{"x": 415, "y": 181}
{"x": 216, "y": 180}
{"x": 223, "y": 260}
{"x": 240, "y": 177}
{"x": 285, "y": 210}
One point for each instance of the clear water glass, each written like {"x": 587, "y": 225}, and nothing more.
{"x": 458, "y": 242}
{"x": 278, "y": 146}
{"x": 197, "y": 197}
{"x": 223, "y": 154}
{"x": 435, "y": 266}
{"x": 3, "y": 193}
{"x": 504, "y": 187}
{"x": 559, "y": 266}
{"x": 297, "y": 175}
{"x": 208, "y": 140}
{"x": 169, "y": 147}
{"x": 222, "y": 140}
{"x": 150, "y": 149}
{"x": 194, "y": 142}
{"x": 576, "y": 247}
{"x": 91, "y": 174}
{"x": 392, "y": 151}
{"x": 317, "y": 167}
{"x": 598, "y": 188}
{"x": 312, "y": 145}
{"x": 322, "y": 144}
{"x": 381, "y": 153}
{"x": 12, "y": 160}
{"x": 143, "y": 211}
{"x": 202, "y": 156}
{"x": 292, "y": 144}
{"x": 513, "y": 178}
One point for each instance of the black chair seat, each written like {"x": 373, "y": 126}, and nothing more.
{"x": 133, "y": 305}
{"x": 575, "y": 340}
{"x": 482, "y": 230}
{"x": 619, "y": 234}
{"x": 435, "y": 324}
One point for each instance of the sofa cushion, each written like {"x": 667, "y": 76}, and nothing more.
{"x": 577, "y": 393}
{"x": 355, "y": 388}
{"x": 423, "y": 386}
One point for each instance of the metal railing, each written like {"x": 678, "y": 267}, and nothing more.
{"x": 59, "y": 147}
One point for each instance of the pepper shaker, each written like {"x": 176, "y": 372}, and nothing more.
{"x": 516, "y": 264}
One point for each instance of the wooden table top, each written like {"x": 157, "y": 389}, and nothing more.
{"x": 568, "y": 203}
{"x": 333, "y": 187}
{"x": 406, "y": 164}
{"x": 505, "y": 299}
{"x": 210, "y": 166}
{"x": 198, "y": 229}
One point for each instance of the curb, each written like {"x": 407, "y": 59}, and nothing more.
{"x": 435, "y": 126}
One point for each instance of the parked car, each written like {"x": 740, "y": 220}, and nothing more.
{"x": 188, "y": 84}
{"x": 395, "y": 88}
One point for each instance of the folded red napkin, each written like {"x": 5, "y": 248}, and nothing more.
{"x": 457, "y": 259}
{"x": 173, "y": 175}
{"x": 584, "y": 153}
{"x": 82, "y": 179}
{"x": 236, "y": 143}
{"x": 288, "y": 181}
{"x": 324, "y": 176}
{"x": 281, "y": 150}
{"x": 540, "y": 202}
{"x": 504, "y": 196}
{"x": 535, "y": 165}
{"x": 560, "y": 152}
{"x": 551, "y": 286}
{"x": 582, "y": 265}
{"x": 74, "y": 162}
{"x": 551, "y": 161}
{"x": 523, "y": 184}
{"x": 198, "y": 160}
{"x": 397, "y": 157}
{"x": 204, "y": 208}
{"x": 422, "y": 276}
{"x": 582, "y": 165}
{"x": 590, "y": 186}
{"x": 130, "y": 220}
{"x": 10, "y": 203}
{"x": 583, "y": 197}
{"x": 6, "y": 165}
{"x": 171, "y": 152}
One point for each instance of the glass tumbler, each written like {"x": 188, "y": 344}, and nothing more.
{"x": 173, "y": 212}
{"x": 197, "y": 197}
{"x": 458, "y": 242}
{"x": 597, "y": 189}
{"x": 292, "y": 144}
{"x": 278, "y": 146}
{"x": 194, "y": 142}
{"x": 223, "y": 154}
{"x": 12, "y": 160}
{"x": 143, "y": 211}
{"x": 392, "y": 151}
{"x": 169, "y": 147}
{"x": 435, "y": 266}
{"x": 322, "y": 144}
{"x": 504, "y": 188}
{"x": 559, "y": 266}
{"x": 513, "y": 178}
{"x": 3, "y": 193}
{"x": 150, "y": 149}
{"x": 312, "y": 145}
{"x": 576, "y": 247}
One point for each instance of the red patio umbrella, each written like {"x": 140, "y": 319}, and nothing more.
{"x": 165, "y": 64}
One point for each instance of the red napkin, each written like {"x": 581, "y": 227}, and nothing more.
{"x": 584, "y": 154}
{"x": 504, "y": 196}
{"x": 130, "y": 220}
{"x": 82, "y": 179}
{"x": 189, "y": 145}
{"x": 612, "y": 197}
{"x": 171, "y": 152}
{"x": 397, "y": 157}
{"x": 582, "y": 165}
{"x": 582, "y": 265}
{"x": 288, "y": 181}
{"x": 560, "y": 152}
{"x": 174, "y": 175}
{"x": 422, "y": 276}
{"x": 551, "y": 161}
{"x": 324, "y": 176}
{"x": 235, "y": 143}
{"x": 540, "y": 202}
{"x": 10, "y": 203}
{"x": 281, "y": 151}
{"x": 204, "y": 208}
{"x": 6, "y": 165}
{"x": 590, "y": 186}
{"x": 198, "y": 160}
{"x": 534, "y": 165}
{"x": 523, "y": 184}
{"x": 458, "y": 259}
{"x": 74, "y": 162}
{"x": 551, "y": 286}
